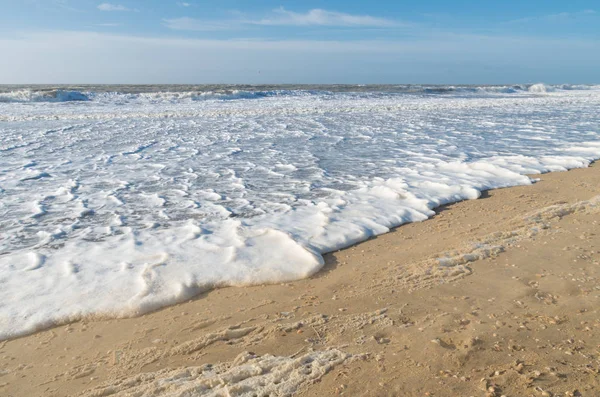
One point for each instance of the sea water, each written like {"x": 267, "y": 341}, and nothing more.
{"x": 118, "y": 200}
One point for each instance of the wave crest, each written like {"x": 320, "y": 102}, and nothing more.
{"x": 43, "y": 96}
{"x": 538, "y": 88}
{"x": 228, "y": 93}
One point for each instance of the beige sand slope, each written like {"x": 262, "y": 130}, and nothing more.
{"x": 497, "y": 296}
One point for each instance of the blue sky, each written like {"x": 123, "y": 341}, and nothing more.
{"x": 265, "y": 41}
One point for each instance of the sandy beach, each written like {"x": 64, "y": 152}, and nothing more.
{"x": 491, "y": 297}
{"x": 280, "y": 199}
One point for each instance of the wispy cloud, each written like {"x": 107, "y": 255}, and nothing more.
{"x": 183, "y": 4}
{"x": 561, "y": 16}
{"x": 461, "y": 58}
{"x": 112, "y": 7}
{"x": 108, "y": 25}
{"x": 283, "y": 17}
{"x": 320, "y": 17}
{"x": 198, "y": 25}
{"x": 64, "y": 4}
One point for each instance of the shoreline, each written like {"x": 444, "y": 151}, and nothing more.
{"x": 154, "y": 240}
{"x": 370, "y": 301}
{"x": 320, "y": 257}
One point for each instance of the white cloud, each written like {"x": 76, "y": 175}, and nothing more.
{"x": 192, "y": 24}
{"x": 561, "y": 16}
{"x": 182, "y": 4}
{"x": 320, "y": 17}
{"x": 108, "y": 25}
{"x": 443, "y": 58}
{"x": 112, "y": 7}
{"x": 283, "y": 17}
{"x": 65, "y": 5}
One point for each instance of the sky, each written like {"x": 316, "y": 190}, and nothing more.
{"x": 319, "y": 42}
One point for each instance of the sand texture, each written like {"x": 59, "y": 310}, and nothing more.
{"x": 491, "y": 297}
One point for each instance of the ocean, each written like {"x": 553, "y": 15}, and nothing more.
{"x": 119, "y": 200}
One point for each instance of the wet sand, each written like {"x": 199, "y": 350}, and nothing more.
{"x": 492, "y": 297}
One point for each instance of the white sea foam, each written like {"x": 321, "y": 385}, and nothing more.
{"x": 538, "y": 88}
{"x": 246, "y": 376}
{"x": 202, "y": 93}
{"x": 124, "y": 203}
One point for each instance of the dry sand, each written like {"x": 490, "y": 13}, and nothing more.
{"x": 491, "y": 297}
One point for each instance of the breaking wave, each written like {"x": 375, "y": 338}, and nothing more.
{"x": 137, "y": 197}
{"x": 43, "y": 96}
{"x": 201, "y": 93}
